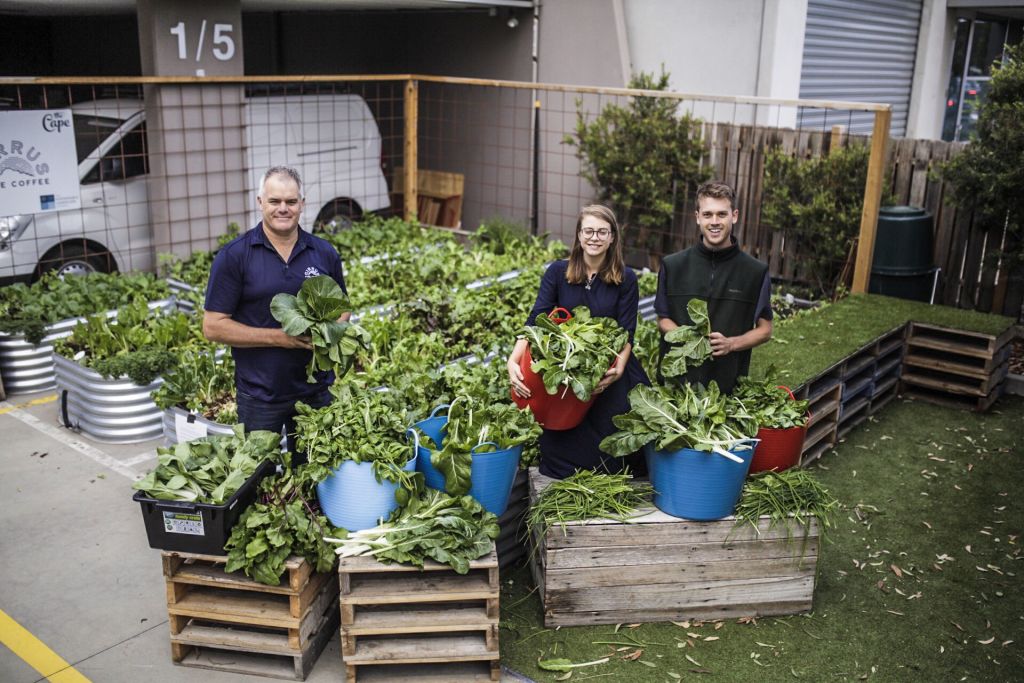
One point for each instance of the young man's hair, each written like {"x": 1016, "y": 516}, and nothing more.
{"x": 286, "y": 171}
{"x": 614, "y": 266}
{"x": 716, "y": 189}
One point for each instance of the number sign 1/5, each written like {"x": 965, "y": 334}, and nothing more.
{"x": 223, "y": 43}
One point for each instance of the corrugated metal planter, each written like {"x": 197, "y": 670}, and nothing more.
{"x": 28, "y": 368}
{"x": 179, "y": 292}
{"x": 171, "y": 416}
{"x": 107, "y": 410}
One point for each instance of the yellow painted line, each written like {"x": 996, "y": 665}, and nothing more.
{"x": 34, "y": 402}
{"x": 35, "y": 653}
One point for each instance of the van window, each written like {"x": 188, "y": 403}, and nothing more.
{"x": 90, "y": 131}
{"x": 124, "y": 160}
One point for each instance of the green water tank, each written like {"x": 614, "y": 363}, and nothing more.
{"x": 902, "y": 265}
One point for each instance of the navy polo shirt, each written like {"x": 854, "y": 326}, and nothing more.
{"x": 245, "y": 276}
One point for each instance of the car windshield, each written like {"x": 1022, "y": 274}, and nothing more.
{"x": 90, "y": 131}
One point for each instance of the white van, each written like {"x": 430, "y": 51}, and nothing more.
{"x": 332, "y": 140}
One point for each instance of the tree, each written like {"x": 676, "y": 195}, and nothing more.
{"x": 644, "y": 158}
{"x": 988, "y": 176}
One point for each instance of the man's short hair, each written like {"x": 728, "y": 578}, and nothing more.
{"x": 716, "y": 189}
{"x": 286, "y": 171}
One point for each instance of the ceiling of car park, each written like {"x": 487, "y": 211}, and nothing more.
{"x": 65, "y": 7}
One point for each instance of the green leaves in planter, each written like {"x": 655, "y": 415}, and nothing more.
{"x": 771, "y": 405}
{"x": 361, "y": 425}
{"x": 690, "y": 344}
{"x": 450, "y": 530}
{"x": 475, "y": 420}
{"x": 280, "y": 524}
{"x": 211, "y": 469}
{"x": 315, "y": 312}
{"x": 200, "y": 383}
{"x": 575, "y": 354}
{"x": 680, "y": 417}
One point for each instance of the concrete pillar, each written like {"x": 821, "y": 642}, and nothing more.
{"x": 195, "y": 130}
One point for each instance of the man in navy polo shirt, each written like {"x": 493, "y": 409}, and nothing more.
{"x": 275, "y": 256}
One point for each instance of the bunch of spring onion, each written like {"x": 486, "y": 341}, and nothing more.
{"x": 791, "y": 495}
{"x": 587, "y": 495}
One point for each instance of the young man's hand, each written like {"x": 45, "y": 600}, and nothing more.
{"x": 720, "y": 344}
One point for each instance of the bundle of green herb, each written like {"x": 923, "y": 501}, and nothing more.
{"x": 690, "y": 345}
{"x": 280, "y": 524}
{"x": 771, "y": 405}
{"x": 575, "y": 354}
{"x": 211, "y": 469}
{"x": 587, "y": 495}
{"x": 315, "y": 312}
{"x": 361, "y": 425}
{"x": 450, "y": 530}
{"x": 792, "y": 494}
{"x": 476, "y": 421}
{"x": 676, "y": 418}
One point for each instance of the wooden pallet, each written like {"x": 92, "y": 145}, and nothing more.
{"x": 823, "y": 424}
{"x": 950, "y": 399}
{"x": 434, "y": 618}
{"x": 228, "y": 622}
{"x": 659, "y": 568}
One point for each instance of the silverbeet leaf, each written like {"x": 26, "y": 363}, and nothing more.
{"x": 690, "y": 345}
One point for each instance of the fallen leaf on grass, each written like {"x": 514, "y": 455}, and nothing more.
{"x": 682, "y": 624}
{"x": 693, "y": 635}
{"x": 650, "y": 664}
{"x": 710, "y": 638}
{"x": 968, "y": 549}
{"x": 673, "y": 674}
{"x": 719, "y": 624}
{"x": 693, "y": 661}
{"x": 927, "y": 524}
{"x": 896, "y": 570}
{"x": 633, "y": 656}
{"x": 566, "y": 664}
{"x": 564, "y": 677}
{"x": 747, "y": 620}
{"x": 1006, "y": 642}
{"x": 892, "y": 611}
{"x": 988, "y": 642}
{"x": 958, "y": 626}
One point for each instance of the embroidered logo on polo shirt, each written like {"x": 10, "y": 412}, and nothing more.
{"x": 311, "y": 272}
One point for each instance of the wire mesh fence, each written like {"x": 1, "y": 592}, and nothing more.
{"x": 166, "y": 165}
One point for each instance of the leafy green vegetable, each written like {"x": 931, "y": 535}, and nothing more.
{"x": 690, "y": 344}
{"x": 28, "y": 309}
{"x": 211, "y": 469}
{"x": 586, "y": 495}
{"x": 200, "y": 382}
{"x": 770, "y": 404}
{"x": 575, "y": 354}
{"x": 450, "y": 530}
{"x": 476, "y": 423}
{"x": 680, "y": 417}
{"x": 280, "y": 524}
{"x": 140, "y": 343}
{"x": 315, "y": 312}
{"x": 361, "y": 425}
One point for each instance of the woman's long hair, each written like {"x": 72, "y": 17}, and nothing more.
{"x": 613, "y": 267}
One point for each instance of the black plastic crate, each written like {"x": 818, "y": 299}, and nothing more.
{"x": 199, "y": 528}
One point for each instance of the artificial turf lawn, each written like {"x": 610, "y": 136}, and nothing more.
{"x": 919, "y": 583}
{"x": 804, "y": 346}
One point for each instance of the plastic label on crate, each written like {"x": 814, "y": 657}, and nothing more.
{"x": 190, "y": 523}
{"x": 187, "y": 428}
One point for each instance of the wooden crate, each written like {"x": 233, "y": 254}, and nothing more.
{"x": 660, "y": 568}
{"x": 438, "y": 196}
{"x": 427, "y": 624}
{"x": 953, "y": 367}
{"x": 228, "y": 622}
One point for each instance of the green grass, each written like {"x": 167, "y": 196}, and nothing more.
{"x": 932, "y": 491}
{"x": 805, "y": 346}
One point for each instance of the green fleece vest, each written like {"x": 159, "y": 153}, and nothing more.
{"x": 730, "y": 281}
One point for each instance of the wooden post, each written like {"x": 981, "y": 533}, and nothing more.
{"x": 410, "y": 160}
{"x": 836, "y": 138}
{"x": 872, "y": 201}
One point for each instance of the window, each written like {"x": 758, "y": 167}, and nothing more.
{"x": 126, "y": 159}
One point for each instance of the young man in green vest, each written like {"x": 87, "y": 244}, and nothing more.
{"x": 736, "y": 287}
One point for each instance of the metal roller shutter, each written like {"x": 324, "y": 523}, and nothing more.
{"x": 861, "y": 50}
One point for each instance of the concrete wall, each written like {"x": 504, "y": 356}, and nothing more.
{"x": 931, "y": 71}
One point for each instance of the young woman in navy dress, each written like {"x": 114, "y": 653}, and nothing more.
{"x": 594, "y": 276}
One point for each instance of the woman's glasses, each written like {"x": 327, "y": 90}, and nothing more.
{"x": 600, "y": 233}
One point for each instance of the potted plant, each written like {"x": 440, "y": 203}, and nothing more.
{"x": 781, "y": 419}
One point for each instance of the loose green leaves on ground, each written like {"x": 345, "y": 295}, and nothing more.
{"x": 450, "y": 530}
{"x": 689, "y": 345}
{"x": 674, "y": 418}
{"x": 283, "y": 522}
{"x": 575, "y": 354}
{"x": 211, "y": 469}
{"x": 314, "y": 312}
{"x": 771, "y": 405}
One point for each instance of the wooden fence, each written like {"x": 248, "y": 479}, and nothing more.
{"x": 971, "y": 275}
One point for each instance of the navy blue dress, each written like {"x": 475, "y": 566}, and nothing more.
{"x": 563, "y": 452}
